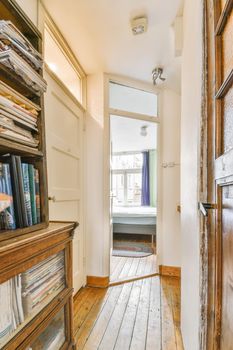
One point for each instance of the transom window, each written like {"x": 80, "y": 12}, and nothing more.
{"x": 60, "y": 61}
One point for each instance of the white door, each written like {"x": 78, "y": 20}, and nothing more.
{"x": 64, "y": 140}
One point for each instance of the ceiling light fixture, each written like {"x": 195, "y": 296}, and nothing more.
{"x": 157, "y": 74}
{"x": 143, "y": 131}
{"x": 139, "y": 25}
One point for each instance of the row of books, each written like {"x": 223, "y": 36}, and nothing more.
{"x": 11, "y": 315}
{"x": 18, "y": 117}
{"x": 24, "y": 295}
{"x": 19, "y": 55}
{"x": 21, "y": 182}
{"x": 41, "y": 281}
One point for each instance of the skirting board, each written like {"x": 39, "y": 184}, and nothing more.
{"x": 171, "y": 271}
{"x": 99, "y": 282}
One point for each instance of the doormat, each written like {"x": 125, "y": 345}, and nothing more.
{"x": 131, "y": 249}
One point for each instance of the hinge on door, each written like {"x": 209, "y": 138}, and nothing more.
{"x": 84, "y": 261}
{"x": 203, "y": 207}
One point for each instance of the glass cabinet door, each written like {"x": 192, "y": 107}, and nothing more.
{"x": 25, "y": 295}
{"x": 53, "y": 337}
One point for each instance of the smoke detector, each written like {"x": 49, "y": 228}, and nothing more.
{"x": 139, "y": 25}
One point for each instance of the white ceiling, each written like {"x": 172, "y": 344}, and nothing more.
{"x": 98, "y": 31}
{"x": 125, "y": 135}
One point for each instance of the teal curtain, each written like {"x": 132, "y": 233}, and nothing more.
{"x": 153, "y": 177}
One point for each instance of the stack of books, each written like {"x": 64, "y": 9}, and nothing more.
{"x": 21, "y": 182}
{"x": 42, "y": 281}
{"x": 18, "y": 117}
{"x": 12, "y": 314}
{"x": 26, "y": 294}
{"x": 18, "y": 54}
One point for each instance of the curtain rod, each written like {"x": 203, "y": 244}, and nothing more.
{"x": 133, "y": 152}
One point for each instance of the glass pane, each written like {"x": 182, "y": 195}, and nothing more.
{"x": 132, "y": 100}
{"x": 134, "y": 187}
{"x": 53, "y": 336}
{"x": 118, "y": 189}
{"x": 127, "y": 161}
{"x": 61, "y": 66}
{"x": 26, "y": 294}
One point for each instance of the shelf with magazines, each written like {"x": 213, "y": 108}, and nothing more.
{"x": 36, "y": 289}
{"x": 23, "y": 172}
{"x": 36, "y": 294}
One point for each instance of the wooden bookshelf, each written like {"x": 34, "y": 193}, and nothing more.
{"x": 10, "y": 10}
{"x": 36, "y": 287}
{"x": 29, "y": 251}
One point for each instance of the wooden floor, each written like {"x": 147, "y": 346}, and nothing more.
{"x": 139, "y": 315}
{"x": 125, "y": 269}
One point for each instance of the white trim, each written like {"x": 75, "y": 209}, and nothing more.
{"x": 64, "y": 87}
{"x": 140, "y": 85}
{"x": 132, "y": 115}
{"x": 107, "y": 112}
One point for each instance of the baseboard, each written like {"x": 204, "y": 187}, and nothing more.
{"x": 171, "y": 271}
{"x": 99, "y": 282}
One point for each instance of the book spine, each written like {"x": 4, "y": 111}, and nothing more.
{"x": 21, "y": 191}
{"x": 37, "y": 187}
{"x": 2, "y": 213}
{"x": 27, "y": 197}
{"x": 11, "y": 224}
{"x": 15, "y": 191}
{"x": 32, "y": 193}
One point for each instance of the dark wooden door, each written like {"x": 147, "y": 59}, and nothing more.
{"x": 220, "y": 167}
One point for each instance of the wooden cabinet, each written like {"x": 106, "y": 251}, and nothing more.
{"x": 39, "y": 260}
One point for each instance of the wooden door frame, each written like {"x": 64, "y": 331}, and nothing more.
{"x": 107, "y": 112}
{"x": 210, "y": 242}
{"x": 203, "y": 193}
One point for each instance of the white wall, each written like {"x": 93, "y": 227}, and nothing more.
{"x": 169, "y": 237}
{"x": 190, "y": 119}
{"x": 30, "y": 7}
{"x": 95, "y": 176}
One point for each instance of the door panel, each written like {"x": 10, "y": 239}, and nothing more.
{"x": 64, "y": 138}
{"x": 227, "y": 268}
{"x": 227, "y": 112}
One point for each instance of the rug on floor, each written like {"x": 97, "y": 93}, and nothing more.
{"x": 131, "y": 249}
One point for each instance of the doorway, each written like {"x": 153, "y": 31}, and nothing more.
{"x": 133, "y": 188}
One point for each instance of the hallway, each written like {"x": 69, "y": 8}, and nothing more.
{"x": 143, "y": 314}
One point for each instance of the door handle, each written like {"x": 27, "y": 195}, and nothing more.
{"x": 53, "y": 198}
{"x": 204, "y": 207}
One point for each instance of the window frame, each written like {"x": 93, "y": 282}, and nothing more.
{"x": 125, "y": 172}
{"x": 62, "y": 44}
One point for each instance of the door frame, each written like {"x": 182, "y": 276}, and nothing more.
{"x": 46, "y": 21}
{"x": 107, "y": 112}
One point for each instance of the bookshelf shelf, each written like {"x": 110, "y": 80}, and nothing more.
{"x": 8, "y": 77}
{"x": 7, "y": 146}
{"x": 23, "y": 108}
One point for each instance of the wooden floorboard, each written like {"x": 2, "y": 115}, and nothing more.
{"x": 140, "y": 315}
{"x": 125, "y": 269}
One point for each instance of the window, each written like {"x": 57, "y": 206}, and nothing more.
{"x": 60, "y": 64}
{"x": 129, "y": 99}
{"x": 127, "y": 179}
